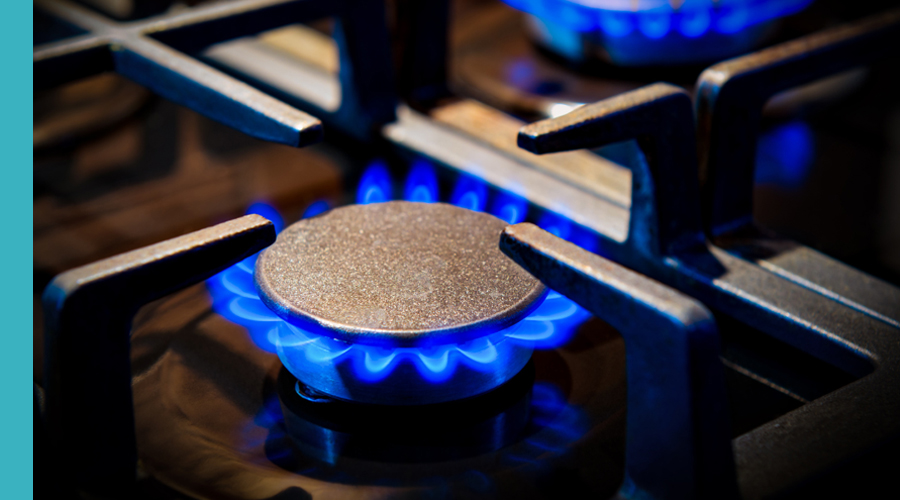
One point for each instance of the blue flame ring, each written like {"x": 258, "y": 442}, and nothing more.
{"x": 400, "y": 375}
{"x": 403, "y": 375}
{"x": 655, "y": 32}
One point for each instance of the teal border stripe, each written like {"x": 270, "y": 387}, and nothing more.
{"x": 16, "y": 245}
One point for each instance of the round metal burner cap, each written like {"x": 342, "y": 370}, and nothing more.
{"x": 396, "y": 273}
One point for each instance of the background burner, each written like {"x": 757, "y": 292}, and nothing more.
{"x": 653, "y": 33}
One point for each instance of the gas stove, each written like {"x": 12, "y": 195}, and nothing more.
{"x": 360, "y": 250}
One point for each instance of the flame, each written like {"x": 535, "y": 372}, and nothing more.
{"x": 551, "y": 324}
{"x": 656, "y": 19}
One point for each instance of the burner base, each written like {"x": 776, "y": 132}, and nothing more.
{"x": 326, "y": 429}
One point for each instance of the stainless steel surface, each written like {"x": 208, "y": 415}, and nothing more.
{"x": 87, "y": 316}
{"x": 677, "y": 443}
{"x": 396, "y": 273}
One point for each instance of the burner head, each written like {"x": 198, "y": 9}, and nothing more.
{"x": 396, "y": 274}
{"x": 398, "y": 303}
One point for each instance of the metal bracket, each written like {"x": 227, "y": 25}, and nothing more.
{"x": 155, "y": 53}
{"x": 677, "y": 437}
{"x": 828, "y": 430}
{"x": 730, "y": 98}
{"x": 87, "y": 317}
{"x": 665, "y": 213}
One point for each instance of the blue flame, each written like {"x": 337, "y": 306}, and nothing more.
{"x": 509, "y": 207}
{"x": 734, "y": 20}
{"x": 470, "y": 192}
{"x": 521, "y": 71}
{"x": 785, "y": 154}
{"x": 657, "y": 32}
{"x": 234, "y": 296}
{"x": 655, "y": 24}
{"x": 269, "y": 212}
{"x": 421, "y": 183}
{"x": 616, "y": 24}
{"x": 655, "y": 19}
{"x": 556, "y": 225}
{"x": 316, "y": 208}
{"x": 376, "y": 185}
{"x": 695, "y": 23}
{"x": 562, "y": 227}
{"x": 550, "y": 325}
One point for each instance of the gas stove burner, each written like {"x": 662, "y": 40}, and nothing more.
{"x": 653, "y": 32}
{"x": 398, "y": 303}
{"x": 396, "y": 274}
{"x": 456, "y": 355}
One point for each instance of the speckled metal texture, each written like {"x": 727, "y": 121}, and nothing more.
{"x": 396, "y": 273}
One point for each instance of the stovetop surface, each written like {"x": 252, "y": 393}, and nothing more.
{"x": 211, "y": 428}
{"x": 207, "y": 415}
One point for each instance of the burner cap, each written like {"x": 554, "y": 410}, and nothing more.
{"x": 396, "y": 273}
